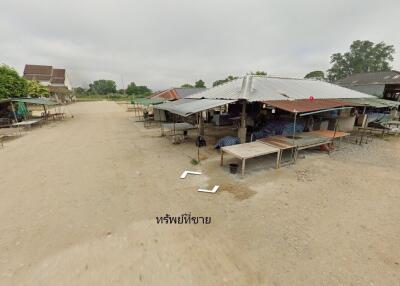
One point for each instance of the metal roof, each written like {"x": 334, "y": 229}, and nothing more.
{"x": 177, "y": 93}
{"x": 39, "y": 101}
{"x": 147, "y": 101}
{"x": 371, "y": 78}
{"x": 186, "y": 107}
{"x": 168, "y": 104}
{"x": 306, "y": 105}
{"x": 376, "y": 102}
{"x": 262, "y": 88}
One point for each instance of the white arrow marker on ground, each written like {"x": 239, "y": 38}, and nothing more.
{"x": 214, "y": 190}
{"x": 189, "y": 172}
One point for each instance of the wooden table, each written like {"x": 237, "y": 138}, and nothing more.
{"x": 27, "y": 123}
{"x": 330, "y": 133}
{"x": 278, "y": 142}
{"x": 250, "y": 150}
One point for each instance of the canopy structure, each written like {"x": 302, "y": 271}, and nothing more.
{"x": 375, "y": 102}
{"x": 307, "y": 105}
{"x": 254, "y": 88}
{"x": 186, "y": 107}
{"x": 39, "y": 101}
{"x": 147, "y": 101}
{"x": 169, "y": 104}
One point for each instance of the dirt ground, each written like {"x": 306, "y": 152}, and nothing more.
{"x": 79, "y": 201}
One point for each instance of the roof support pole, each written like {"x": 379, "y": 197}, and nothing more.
{"x": 294, "y": 150}
{"x": 242, "y": 129}
{"x": 201, "y": 124}
{"x": 13, "y": 110}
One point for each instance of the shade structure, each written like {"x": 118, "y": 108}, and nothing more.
{"x": 147, "y": 101}
{"x": 186, "y": 107}
{"x": 261, "y": 88}
{"x": 39, "y": 101}
{"x": 307, "y": 105}
{"x": 376, "y": 102}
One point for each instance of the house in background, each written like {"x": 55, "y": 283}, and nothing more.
{"x": 177, "y": 93}
{"x": 385, "y": 84}
{"x": 55, "y": 79}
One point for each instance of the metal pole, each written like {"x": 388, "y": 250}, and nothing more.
{"x": 294, "y": 133}
{"x": 13, "y": 110}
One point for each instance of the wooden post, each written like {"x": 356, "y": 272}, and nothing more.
{"x": 242, "y": 130}
{"x": 201, "y": 124}
{"x": 13, "y": 110}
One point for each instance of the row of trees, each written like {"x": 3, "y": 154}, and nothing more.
{"x": 364, "y": 56}
{"x": 104, "y": 87}
{"x": 13, "y": 85}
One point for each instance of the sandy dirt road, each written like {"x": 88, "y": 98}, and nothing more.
{"x": 79, "y": 198}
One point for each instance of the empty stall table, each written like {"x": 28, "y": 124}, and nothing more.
{"x": 249, "y": 150}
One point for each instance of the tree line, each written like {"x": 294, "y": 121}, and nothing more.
{"x": 13, "y": 85}
{"x": 363, "y": 56}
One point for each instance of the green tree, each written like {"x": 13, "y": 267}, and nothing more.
{"x": 187, "y": 85}
{"x": 222, "y": 81}
{"x": 138, "y": 90}
{"x": 315, "y": 75}
{"x": 259, "y": 73}
{"x": 11, "y": 84}
{"x": 35, "y": 89}
{"x": 200, "y": 84}
{"x": 364, "y": 56}
{"x": 103, "y": 87}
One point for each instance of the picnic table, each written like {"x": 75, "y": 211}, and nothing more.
{"x": 182, "y": 126}
{"x": 249, "y": 150}
{"x": 27, "y": 123}
{"x": 278, "y": 142}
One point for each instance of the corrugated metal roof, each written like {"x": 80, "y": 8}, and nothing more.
{"x": 189, "y": 107}
{"x": 306, "y": 105}
{"x": 382, "y": 77}
{"x": 147, "y": 101}
{"x": 177, "y": 93}
{"x": 39, "y": 101}
{"x": 375, "y": 102}
{"x": 262, "y": 88}
{"x": 169, "y": 104}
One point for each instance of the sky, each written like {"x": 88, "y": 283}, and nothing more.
{"x": 166, "y": 43}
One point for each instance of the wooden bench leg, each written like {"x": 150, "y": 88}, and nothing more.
{"x": 278, "y": 158}
{"x": 243, "y": 166}
{"x": 222, "y": 158}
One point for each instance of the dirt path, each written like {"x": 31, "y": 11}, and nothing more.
{"x": 78, "y": 201}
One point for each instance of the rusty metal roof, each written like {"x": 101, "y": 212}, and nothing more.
{"x": 307, "y": 105}
{"x": 177, "y": 93}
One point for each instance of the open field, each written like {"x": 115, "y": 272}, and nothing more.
{"x": 79, "y": 198}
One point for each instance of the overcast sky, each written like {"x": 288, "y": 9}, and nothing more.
{"x": 165, "y": 43}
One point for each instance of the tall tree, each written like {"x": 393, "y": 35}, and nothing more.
{"x": 221, "y": 81}
{"x": 364, "y": 56}
{"x": 315, "y": 75}
{"x": 138, "y": 90}
{"x": 35, "y": 89}
{"x": 187, "y": 85}
{"x": 259, "y": 73}
{"x": 200, "y": 84}
{"x": 11, "y": 84}
{"x": 103, "y": 87}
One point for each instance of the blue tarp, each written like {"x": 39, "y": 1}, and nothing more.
{"x": 283, "y": 128}
{"x": 227, "y": 141}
